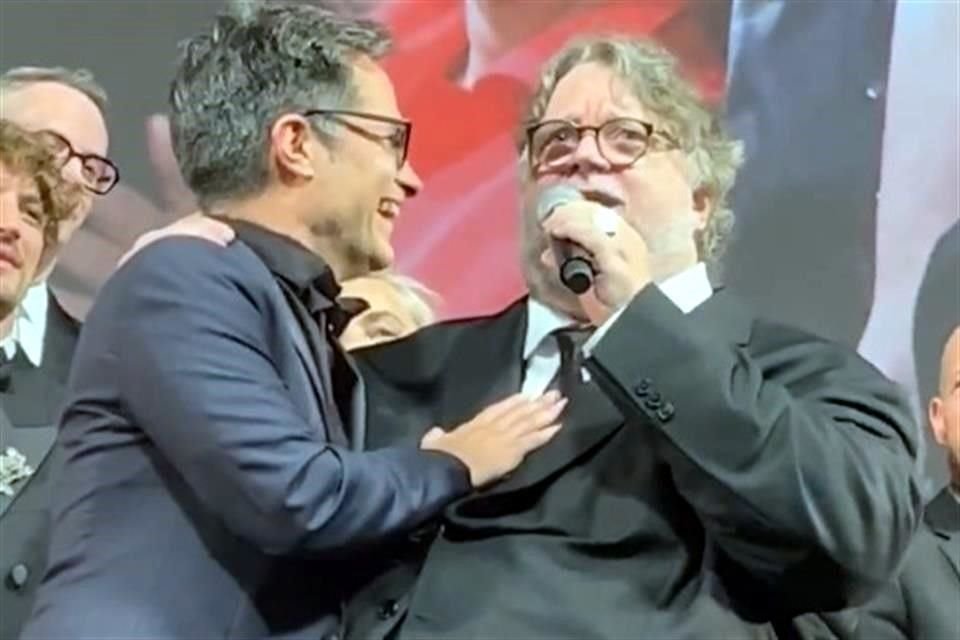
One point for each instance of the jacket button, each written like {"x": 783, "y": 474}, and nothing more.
{"x": 388, "y": 609}
{"x": 18, "y": 576}
{"x": 643, "y": 387}
{"x": 666, "y": 412}
{"x": 654, "y": 401}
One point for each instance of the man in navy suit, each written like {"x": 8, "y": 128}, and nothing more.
{"x": 212, "y": 484}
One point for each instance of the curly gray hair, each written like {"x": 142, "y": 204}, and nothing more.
{"x": 652, "y": 75}
{"x": 258, "y": 62}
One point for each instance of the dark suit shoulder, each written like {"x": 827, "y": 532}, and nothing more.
{"x": 427, "y": 349}
{"x": 187, "y": 265}
{"x": 943, "y": 512}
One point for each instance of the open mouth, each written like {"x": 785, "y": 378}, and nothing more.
{"x": 603, "y": 198}
{"x": 389, "y": 208}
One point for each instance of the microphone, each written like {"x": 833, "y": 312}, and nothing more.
{"x": 576, "y": 269}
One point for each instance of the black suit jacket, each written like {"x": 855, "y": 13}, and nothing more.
{"x": 29, "y": 412}
{"x": 922, "y": 603}
{"x": 204, "y": 492}
{"x": 727, "y": 461}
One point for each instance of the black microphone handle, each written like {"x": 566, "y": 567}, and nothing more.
{"x": 576, "y": 270}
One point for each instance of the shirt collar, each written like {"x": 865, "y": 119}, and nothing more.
{"x": 289, "y": 260}
{"x": 687, "y": 290}
{"x": 29, "y": 325}
{"x": 541, "y": 322}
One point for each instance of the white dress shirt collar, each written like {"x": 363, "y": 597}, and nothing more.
{"x": 687, "y": 290}
{"x": 29, "y": 325}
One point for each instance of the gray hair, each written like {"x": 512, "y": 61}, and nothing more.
{"x": 652, "y": 75}
{"x": 80, "y": 79}
{"x": 258, "y": 62}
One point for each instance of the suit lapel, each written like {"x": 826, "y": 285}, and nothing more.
{"x": 59, "y": 340}
{"x": 357, "y": 426}
{"x": 592, "y": 417}
{"x": 296, "y": 318}
{"x": 497, "y": 373}
{"x": 943, "y": 516}
{"x": 485, "y": 365}
{"x": 34, "y": 442}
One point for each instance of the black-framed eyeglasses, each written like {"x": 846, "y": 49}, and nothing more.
{"x": 98, "y": 174}
{"x": 398, "y": 139}
{"x": 621, "y": 141}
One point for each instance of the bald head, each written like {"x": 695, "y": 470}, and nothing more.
{"x": 944, "y": 410}
{"x": 59, "y": 107}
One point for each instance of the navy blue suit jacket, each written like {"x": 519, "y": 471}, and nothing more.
{"x": 201, "y": 496}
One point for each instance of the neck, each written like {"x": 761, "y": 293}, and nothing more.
{"x": 7, "y": 316}
{"x": 495, "y": 27}
{"x": 279, "y": 214}
{"x": 954, "y": 465}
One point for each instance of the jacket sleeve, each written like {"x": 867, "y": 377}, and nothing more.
{"x": 797, "y": 455}
{"x": 197, "y": 377}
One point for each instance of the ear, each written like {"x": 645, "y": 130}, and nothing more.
{"x": 293, "y": 148}
{"x": 703, "y": 204}
{"x": 937, "y": 424}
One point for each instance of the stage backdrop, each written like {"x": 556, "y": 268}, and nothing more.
{"x": 848, "y": 111}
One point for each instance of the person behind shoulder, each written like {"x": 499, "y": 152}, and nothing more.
{"x": 389, "y": 306}
{"x": 922, "y": 601}
{"x": 35, "y": 199}
{"x": 214, "y": 484}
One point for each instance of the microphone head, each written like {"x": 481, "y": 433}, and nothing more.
{"x": 555, "y": 196}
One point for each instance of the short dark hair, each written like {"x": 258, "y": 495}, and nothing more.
{"x": 258, "y": 62}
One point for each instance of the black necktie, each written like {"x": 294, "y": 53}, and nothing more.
{"x": 570, "y": 342}
{"x": 6, "y": 371}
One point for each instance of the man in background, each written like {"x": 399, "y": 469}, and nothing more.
{"x": 70, "y": 104}
{"x": 922, "y": 601}
{"x": 35, "y": 200}
{"x": 67, "y": 107}
{"x": 389, "y": 306}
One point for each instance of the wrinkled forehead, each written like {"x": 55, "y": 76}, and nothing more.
{"x": 59, "y": 108}
{"x": 592, "y": 92}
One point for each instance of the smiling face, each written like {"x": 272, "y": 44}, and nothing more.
{"x": 363, "y": 185}
{"x": 348, "y": 180}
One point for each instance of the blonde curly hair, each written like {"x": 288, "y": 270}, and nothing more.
{"x": 652, "y": 74}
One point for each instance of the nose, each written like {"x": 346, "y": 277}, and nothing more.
{"x": 8, "y": 233}
{"x": 586, "y": 156}
{"x": 409, "y": 181}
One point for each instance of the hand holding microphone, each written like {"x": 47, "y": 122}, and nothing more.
{"x": 601, "y": 257}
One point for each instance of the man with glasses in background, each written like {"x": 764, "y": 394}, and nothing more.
{"x": 66, "y": 107}
{"x": 69, "y": 105}
{"x": 213, "y": 484}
